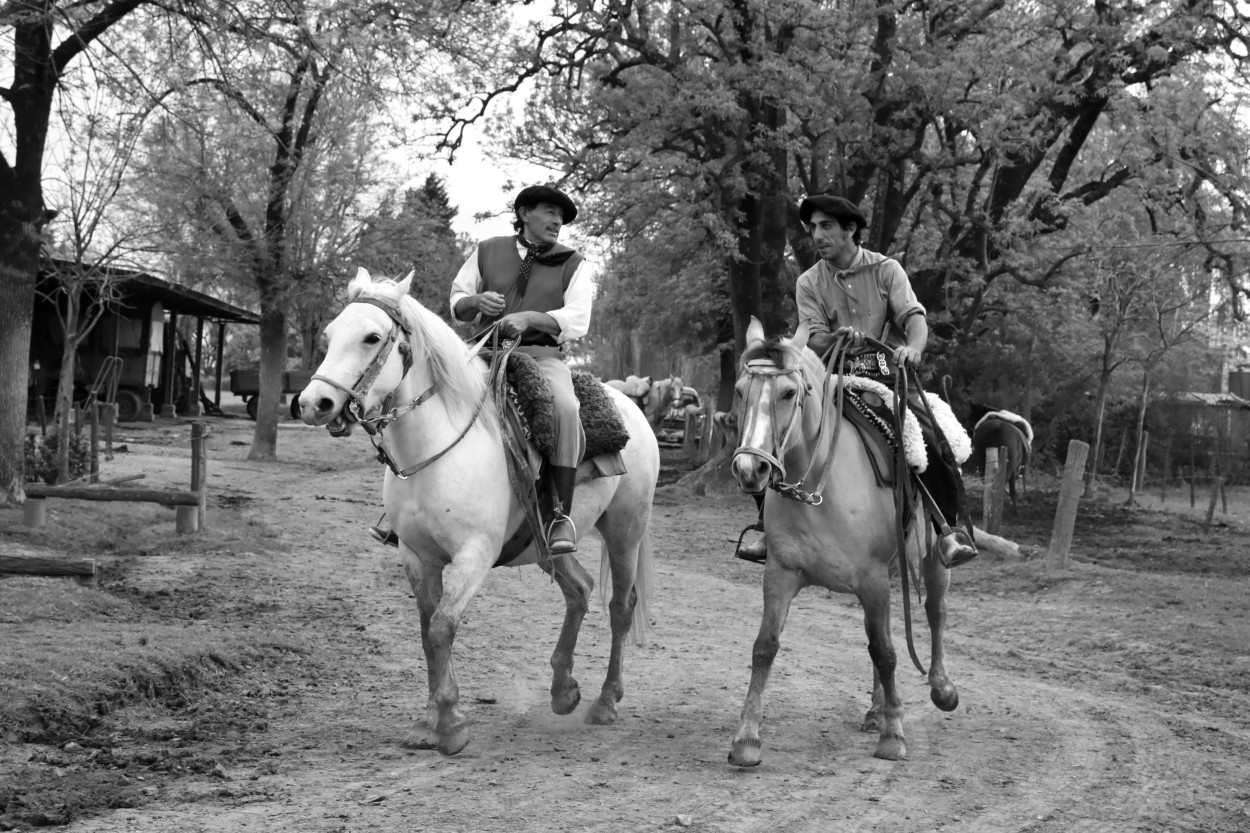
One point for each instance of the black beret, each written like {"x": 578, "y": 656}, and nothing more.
{"x": 534, "y": 194}
{"x": 839, "y": 207}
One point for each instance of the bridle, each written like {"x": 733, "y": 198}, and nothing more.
{"x": 761, "y": 372}
{"x": 399, "y": 336}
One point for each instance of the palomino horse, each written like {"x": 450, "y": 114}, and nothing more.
{"x": 844, "y": 540}
{"x": 1003, "y": 429}
{"x": 654, "y": 398}
{"x": 429, "y": 407}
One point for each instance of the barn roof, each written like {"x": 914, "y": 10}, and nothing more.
{"x": 141, "y": 286}
{"x": 1227, "y": 400}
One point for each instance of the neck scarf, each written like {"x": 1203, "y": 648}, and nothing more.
{"x": 536, "y": 252}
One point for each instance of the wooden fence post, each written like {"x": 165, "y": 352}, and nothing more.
{"x": 94, "y": 416}
{"x": 987, "y": 481}
{"x": 1069, "y": 499}
{"x": 1218, "y": 486}
{"x": 997, "y": 491}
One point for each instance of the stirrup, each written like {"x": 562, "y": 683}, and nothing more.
{"x": 384, "y": 536}
{"x": 561, "y": 546}
{"x": 756, "y": 553}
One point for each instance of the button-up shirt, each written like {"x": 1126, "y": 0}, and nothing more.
{"x": 872, "y": 295}
{"x": 573, "y": 317}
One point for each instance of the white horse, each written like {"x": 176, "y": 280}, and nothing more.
{"x": 430, "y": 410}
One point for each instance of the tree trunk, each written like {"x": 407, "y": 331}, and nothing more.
{"x": 65, "y": 385}
{"x": 272, "y": 363}
{"x": 1100, "y": 407}
{"x": 19, "y": 250}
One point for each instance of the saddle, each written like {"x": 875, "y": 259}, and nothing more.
{"x": 527, "y": 421}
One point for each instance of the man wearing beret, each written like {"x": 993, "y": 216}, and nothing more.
{"x": 856, "y": 292}
{"x": 540, "y": 292}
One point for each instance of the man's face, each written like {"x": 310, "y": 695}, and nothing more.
{"x": 833, "y": 241}
{"x": 542, "y": 223}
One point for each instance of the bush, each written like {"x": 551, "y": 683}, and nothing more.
{"x": 41, "y": 457}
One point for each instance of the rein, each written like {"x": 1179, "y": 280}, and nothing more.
{"x": 375, "y": 425}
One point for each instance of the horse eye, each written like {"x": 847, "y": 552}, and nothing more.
{"x": 372, "y": 338}
{"x": 790, "y": 394}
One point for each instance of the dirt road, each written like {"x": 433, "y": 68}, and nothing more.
{"x": 1109, "y": 698}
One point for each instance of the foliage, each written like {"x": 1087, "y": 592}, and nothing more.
{"x": 41, "y": 460}
{"x": 418, "y": 238}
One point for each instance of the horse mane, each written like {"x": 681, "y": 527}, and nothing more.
{"x": 461, "y": 384}
{"x": 781, "y": 351}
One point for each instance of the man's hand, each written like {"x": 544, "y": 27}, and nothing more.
{"x": 857, "y": 339}
{"x": 513, "y": 324}
{"x": 488, "y": 303}
{"x": 906, "y": 356}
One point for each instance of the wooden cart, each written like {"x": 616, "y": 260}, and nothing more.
{"x": 246, "y": 383}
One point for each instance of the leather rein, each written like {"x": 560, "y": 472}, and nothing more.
{"x": 399, "y": 336}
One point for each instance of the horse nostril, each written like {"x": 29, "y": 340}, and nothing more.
{"x": 325, "y": 405}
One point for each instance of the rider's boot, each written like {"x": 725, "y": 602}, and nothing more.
{"x": 955, "y": 551}
{"x": 561, "y": 534}
{"x": 757, "y": 550}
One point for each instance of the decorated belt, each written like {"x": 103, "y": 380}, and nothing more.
{"x": 868, "y": 364}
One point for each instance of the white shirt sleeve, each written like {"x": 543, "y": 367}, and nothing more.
{"x": 468, "y": 282}
{"x": 574, "y": 316}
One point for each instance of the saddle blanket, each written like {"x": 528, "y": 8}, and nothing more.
{"x": 605, "y": 431}
{"x": 913, "y": 439}
{"x": 1016, "y": 420}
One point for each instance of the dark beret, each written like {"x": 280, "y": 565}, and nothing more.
{"x": 838, "y": 207}
{"x": 534, "y": 194}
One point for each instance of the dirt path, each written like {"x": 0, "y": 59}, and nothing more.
{"x": 1102, "y": 700}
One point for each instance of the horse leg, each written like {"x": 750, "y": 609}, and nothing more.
{"x": 428, "y": 589}
{"x": 576, "y": 585}
{"x": 874, "y": 719}
{"x": 936, "y": 581}
{"x": 780, "y": 588}
{"x": 623, "y": 536}
{"x": 891, "y": 745}
{"x": 461, "y": 580}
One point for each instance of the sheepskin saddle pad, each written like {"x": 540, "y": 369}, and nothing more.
{"x": 873, "y": 405}
{"x": 605, "y": 430}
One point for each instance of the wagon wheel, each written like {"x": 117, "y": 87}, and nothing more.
{"x": 128, "y": 405}
{"x": 252, "y": 406}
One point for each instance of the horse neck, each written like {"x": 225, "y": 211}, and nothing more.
{"x": 433, "y": 426}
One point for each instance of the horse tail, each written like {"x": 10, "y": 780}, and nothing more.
{"x": 644, "y": 584}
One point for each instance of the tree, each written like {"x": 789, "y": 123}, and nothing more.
{"x": 418, "y": 238}
{"x": 269, "y": 114}
{"x": 46, "y": 38}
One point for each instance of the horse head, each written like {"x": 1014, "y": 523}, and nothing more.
{"x": 776, "y": 380}
{"x": 367, "y": 355}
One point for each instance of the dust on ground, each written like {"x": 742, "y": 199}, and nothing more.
{"x": 1113, "y": 696}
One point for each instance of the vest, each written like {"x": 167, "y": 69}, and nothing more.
{"x": 499, "y": 263}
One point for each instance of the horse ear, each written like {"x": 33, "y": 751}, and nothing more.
{"x": 800, "y": 337}
{"x": 406, "y": 283}
{"x": 358, "y": 283}
{"x": 755, "y": 331}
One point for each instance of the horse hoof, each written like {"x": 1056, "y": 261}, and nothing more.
{"x": 451, "y": 741}
{"x": 602, "y": 713}
{"x": 891, "y": 748}
{"x": 566, "y": 701}
{"x": 745, "y": 753}
{"x": 945, "y": 697}
{"x": 421, "y": 737}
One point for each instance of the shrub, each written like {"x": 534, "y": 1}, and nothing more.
{"x": 41, "y": 457}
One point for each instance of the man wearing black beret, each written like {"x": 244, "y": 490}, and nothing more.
{"x": 852, "y": 291}
{"x": 540, "y": 291}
